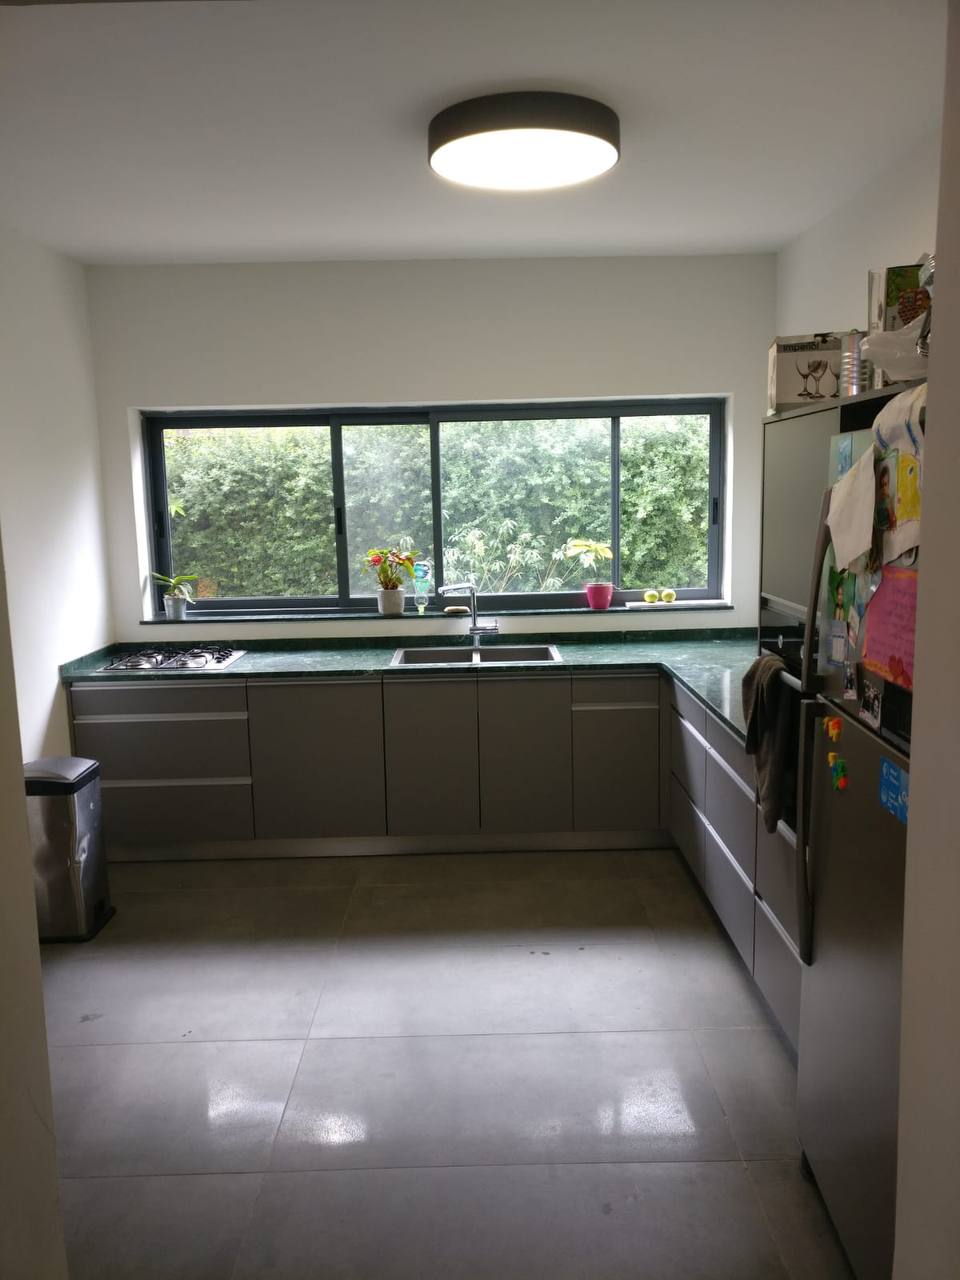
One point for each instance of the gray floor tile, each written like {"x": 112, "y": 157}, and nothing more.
{"x": 602, "y": 1222}
{"x": 403, "y": 987}
{"x": 578, "y": 911}
{"x": 710, "y": 982}
{"x": 228, "y": 966}
{"x": 798, "y": 1220}
{"x": 169, "y": 1108}
{"x": 756, "y": 1082}
{"x": 563, "y": 865}
{"x": 237, "y": 873}
{"x": 171, "y": 1228}
{"x": 458, "y": 1100}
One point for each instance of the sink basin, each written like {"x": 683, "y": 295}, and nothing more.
{"x": 519, "y": 653}
{"x": 493, "y": 654}
{"x": 414, "y": 657}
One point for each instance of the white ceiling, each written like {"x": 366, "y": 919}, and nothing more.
{"x": 289, "y": 129}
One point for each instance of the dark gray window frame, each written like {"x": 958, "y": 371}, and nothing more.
{"x": 154, "y": 423}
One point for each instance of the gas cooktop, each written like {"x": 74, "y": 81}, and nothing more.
{"x": 168, "y": 657}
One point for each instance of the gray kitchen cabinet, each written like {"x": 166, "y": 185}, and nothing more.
{"x": 177, "y": 812}
{"x": 686, "y": 827}
{"x": 688, "y": 758}
{"x": 317, "y": 759}
{"x": 525, "y": 753}
{"x": 777, "y": 972}
{"x": 730, "y": 894}
{"x": 731, "y": 809}
{"x": 174, "y": 758}
{"x": 166, "y": 747}
{"x": 731, "y": 750}
{"x": 616, "y": 753}
{"x": 432, "y": 755}
{"x": 776, "y": 875}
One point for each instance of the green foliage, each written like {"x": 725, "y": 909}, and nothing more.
{"x": 253, "y": 508}
{"x": 178, "y": 586}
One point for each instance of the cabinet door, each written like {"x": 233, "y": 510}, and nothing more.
{"x": 317, "y": 758}
{"x": 688, "y": 758}
{"x": 616, "y": 754}
{"x": 525, "y": 753}
{"x": 731, "y": 810}
{"x": 433, "y": 769}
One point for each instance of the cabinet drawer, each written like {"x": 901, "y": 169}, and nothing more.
{"x": 616, "y": 690}
{"x": 158, "y": 697}
{"x": 732, "y": 811}
{"x": 182, "y": 814}
{"x": 616, "y": 767}
{"x": 688, "y": 758}
{"x": 686, "y": 827}
{"x": 688, "y": 707}
{"x": 214, "y": 748}
{"x": 730, "y": 894}
{"x": 729, "y": 747}
{"x": 777, "y": 972}
{"x": 776, "y": 872}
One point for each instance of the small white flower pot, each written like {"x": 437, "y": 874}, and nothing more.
{"x": 390, "y": 602}
{"x": 175, "y": 607}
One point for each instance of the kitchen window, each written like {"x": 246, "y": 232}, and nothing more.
{"x": 275, "y": 510}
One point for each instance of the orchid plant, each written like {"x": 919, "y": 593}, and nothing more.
{"x": 389, "y": 564}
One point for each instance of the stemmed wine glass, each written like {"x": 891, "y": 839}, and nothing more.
{"x": 835, "y": 393}
{"x": 818, "y": 368}
{"x": 804, "y": 394}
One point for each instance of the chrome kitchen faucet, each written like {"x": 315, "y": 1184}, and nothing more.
{"x": 477, "y": 629}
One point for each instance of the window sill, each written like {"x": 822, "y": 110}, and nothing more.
{"x": 369, "y": 615}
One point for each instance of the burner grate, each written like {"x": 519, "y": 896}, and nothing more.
{"x": 213, "y": 657}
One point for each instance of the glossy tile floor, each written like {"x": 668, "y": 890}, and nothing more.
{"x": 458, "y": 1066}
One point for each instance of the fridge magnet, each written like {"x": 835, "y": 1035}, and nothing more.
{"x": 894, "y": 789}
{"x": 871, "y": 701}
{"x": 891, "y": 627}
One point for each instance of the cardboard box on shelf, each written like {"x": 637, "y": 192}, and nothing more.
{"x": 796, "y": 367}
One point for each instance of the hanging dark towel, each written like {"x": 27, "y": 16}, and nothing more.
{"x": 766, "y": 710}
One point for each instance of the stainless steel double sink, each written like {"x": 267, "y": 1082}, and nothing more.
{"x": 482, "y": 657}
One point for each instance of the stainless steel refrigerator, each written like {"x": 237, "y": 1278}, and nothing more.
{"x": 846, "y": 811}
{"x": 848, "y": 1065}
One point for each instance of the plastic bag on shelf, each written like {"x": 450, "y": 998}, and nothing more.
{"x": 895, "y": 351}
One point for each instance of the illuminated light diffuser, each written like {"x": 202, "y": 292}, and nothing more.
{"x": 524, "y": 141}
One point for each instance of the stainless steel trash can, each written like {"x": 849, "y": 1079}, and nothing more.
{"x": 69, "y": 861}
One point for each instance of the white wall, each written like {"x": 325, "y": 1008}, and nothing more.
{"x": 368, "y": 333}
{"x": 928, "y": 1225}
{"x": 822, "y": 274}
{"x": 31, "y": 1240}
{"x": 50, "y": 499}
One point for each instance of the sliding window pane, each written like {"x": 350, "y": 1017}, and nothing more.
{"x": 251, "y": 510}
{"x": 386, "y": 481}
{"x": 513, "y": 493}
{"x": 664, "y": 501}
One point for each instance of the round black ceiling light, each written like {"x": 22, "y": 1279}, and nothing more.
{"x": 524, "y": 141}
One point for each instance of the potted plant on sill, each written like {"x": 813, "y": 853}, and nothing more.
{"x": 177, "y": 594}
{"x": 390, "y": 564}
{"x": 593, "y": 557}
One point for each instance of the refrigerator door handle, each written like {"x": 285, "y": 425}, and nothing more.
{"x": 813, "y": 597}
{"x": 808, "y": 716}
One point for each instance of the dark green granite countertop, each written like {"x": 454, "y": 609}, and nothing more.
{"x": 711, "y": 666}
